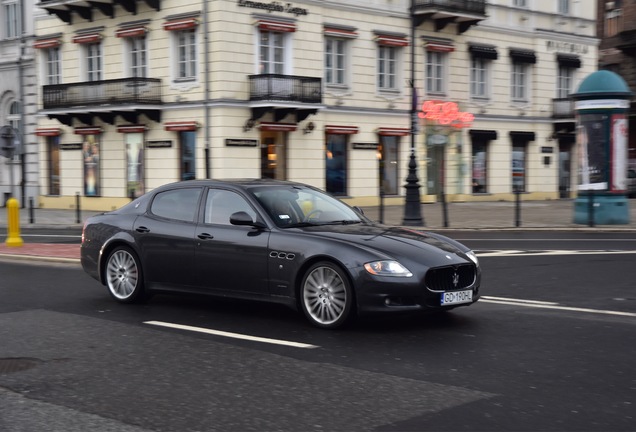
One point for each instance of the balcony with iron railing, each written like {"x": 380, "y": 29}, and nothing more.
{"x": 472, "y": 7}
{"x": 463, "y": 13}
{"x": 563, "y": 108}
{"x": 116, "y": 92}
{"x": 285, "y": 88}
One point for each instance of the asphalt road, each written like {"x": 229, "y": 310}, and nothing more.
{"x": 549, "y": 347}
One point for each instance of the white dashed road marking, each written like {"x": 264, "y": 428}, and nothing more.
{"x": 231, "y": 335}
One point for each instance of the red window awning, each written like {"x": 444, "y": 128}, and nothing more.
{"x": 278, "y": 127}
{"x": 87, "y": 38}
{"x": 131, "y": 32}
{"x": 341, "y": 130}
{"x": 387, "y": 131}
{"x": 341, "y": 33}
{"x": 47, "y": 43}
{"x": 88, "y": 130}
{"x": 48, "y": 132}
{"x": 181, "y": 126}
{"x": 439, "y": 47}
{"x": 277, "y": 26}
{"x": 132, "y": 128}
{"x": 389, "y": 40}
{"x": 180, "y": 24}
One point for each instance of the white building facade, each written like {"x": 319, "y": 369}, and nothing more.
{"x": 135, "y": 94}
{"x": 19, "y": 174}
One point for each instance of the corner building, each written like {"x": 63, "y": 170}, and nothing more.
{"x": 136, "y": 94}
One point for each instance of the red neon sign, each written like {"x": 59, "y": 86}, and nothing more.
{"x": 446, "y": 114}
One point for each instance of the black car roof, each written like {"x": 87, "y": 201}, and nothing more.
{"x": 243, "y": 183}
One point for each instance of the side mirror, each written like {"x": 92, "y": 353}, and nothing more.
{"x": 242, "y": 218}
{"x": 358, "y": 209}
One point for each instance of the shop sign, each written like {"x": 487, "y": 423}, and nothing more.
{"x": 159, "y": 144}
{"x": 71, "y": 146}
{"x": 241, "y": 142}
{"x": 445, "y": 114}
{"x": 273, "y": 6}
{"x": 365, "y": 146}
{"x": 566, "y": 47}
{"x": 547, "y": 149}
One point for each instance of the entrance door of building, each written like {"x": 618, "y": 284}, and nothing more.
{"x": 565, "y": 171}
{"x": 435, "y": 165}
{"x": 274, "y": 155}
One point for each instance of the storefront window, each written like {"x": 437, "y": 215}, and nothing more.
{"x": 389, "y": 153}
{"x": 91, "y": 165}
{"x": 135, "y": 162}
{"x": 53, "y": 148}
{"x": 336, "y": 164}
{"x": 187, "y": 140}
{"x": 518, "y": 168}
{"x": 480, "y": 167}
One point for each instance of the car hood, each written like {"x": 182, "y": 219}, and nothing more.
{"x": 399, "y": 243}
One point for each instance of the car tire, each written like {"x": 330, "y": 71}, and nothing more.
{"x": 326, "y": 296}
{"x": 123, "y": 275}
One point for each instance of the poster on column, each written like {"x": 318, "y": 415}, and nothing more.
{"x": 619, "y": 152}
{"x": 592, "y": 152}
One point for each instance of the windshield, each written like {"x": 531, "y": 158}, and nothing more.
{"x": 295, "y": 206}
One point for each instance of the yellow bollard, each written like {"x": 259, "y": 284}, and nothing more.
{"x": 13, "y": 224}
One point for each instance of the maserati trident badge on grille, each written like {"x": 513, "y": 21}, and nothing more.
{"x": 455, "y": 279}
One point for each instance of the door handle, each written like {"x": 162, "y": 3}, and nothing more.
{"x": 205, "y": 236}
{"x": 142, "y": 229}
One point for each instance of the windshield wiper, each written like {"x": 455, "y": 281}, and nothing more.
{"x": 343, "y": 222}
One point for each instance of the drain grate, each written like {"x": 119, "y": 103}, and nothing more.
{"x": 18, "y": 364}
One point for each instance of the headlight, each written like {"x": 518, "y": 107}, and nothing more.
{"x": 473, "y": 257}
{"x": 387, "y": 268}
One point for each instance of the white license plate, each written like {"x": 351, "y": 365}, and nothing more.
{"x": 457, "y": 297}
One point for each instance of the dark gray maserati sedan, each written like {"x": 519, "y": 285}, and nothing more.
{"x": 276, "y": 241}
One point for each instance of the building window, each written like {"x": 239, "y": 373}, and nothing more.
{"x": 93, "y": 52}
{"x": 519, "y": 3}
{"x": 519, "y": 82}
{"x": 435, "y": 72}
{"x": 186, "y": 46}
{"x": 187, "y": 143}
{"x": 11, "y": 9}
{"x": 135, "y": 162}
{"x": 480, "y": 167}
{"x": 13, "y": 118}
{"x": 564, "y": 81}
{"x": 92, "y": 178}
{"x": 272, "y": 52}
{"x": 613, "y": 22}
{"x": 138, "y": 56}
{"x": 563, "y": 7}
{"x": 336, "y": 164}
{"x": 335, "y": 61}
{"x": 53, "y": 74}
{"x": 387, "y": 67}
{"x": 479, "y": 81}
{"x": 53, "y": 149}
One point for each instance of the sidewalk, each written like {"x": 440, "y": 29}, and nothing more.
{"x": 534, "y": 215}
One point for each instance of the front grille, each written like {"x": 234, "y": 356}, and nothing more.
{"x": 450, "y": 278}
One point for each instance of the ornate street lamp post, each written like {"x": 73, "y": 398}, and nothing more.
{"x": 412, "y": 205}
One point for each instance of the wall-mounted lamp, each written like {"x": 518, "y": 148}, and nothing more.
{"x": 309, "y": 128}
{"x": 249, "y": 124}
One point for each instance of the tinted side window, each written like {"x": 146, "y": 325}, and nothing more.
{"x": 220, "y": 205}
{"x": 179, "y": 204}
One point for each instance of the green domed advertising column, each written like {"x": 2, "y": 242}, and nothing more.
{"x": 601, "y": 104}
